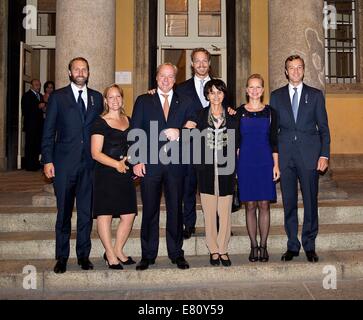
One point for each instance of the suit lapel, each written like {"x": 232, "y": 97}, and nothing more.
{"x": 90, "y": 105}
{"x": 158, "y": 107}
{"x": 303, "y": 98}
{"x": 73, "y": 103}
{"x": 174, "y": 105}
{"x": 194, "y": 92}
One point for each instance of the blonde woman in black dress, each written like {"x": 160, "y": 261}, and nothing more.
{"x": 114, "y": 194}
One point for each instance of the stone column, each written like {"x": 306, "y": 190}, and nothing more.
{"x": 86, "y": 28}
{"x": 3, "y": 78}
{"x": 141, "y": 47}
{"x": 243, "y": 48}
{"x": 296, "y": 27}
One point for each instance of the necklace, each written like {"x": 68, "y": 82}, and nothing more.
{"x": 250, "y": 109}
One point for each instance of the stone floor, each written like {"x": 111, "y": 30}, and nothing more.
{"x": 310, "y": 290}
{"x": 18, "y": 187}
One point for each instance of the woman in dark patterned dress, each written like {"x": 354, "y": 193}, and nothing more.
{"x": 257, "y": 167}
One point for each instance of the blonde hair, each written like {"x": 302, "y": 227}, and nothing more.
{"x": 167, "y": 64}
{"x": 106, "y": 108}
{"x": 255, "y": 76}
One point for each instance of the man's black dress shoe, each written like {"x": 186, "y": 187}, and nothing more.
{"x": 214, "y": 262}
{"x": 312, "y": 256}
{"x": 127, "y": 262}
{"x": 289, "y": 255}
{"x": 181, "y": 263}
{"x": 85, "y": 264}
{"x": 144, "y": 264}
{"x": 61, "y": 265}
{"x": 187, "y": 233}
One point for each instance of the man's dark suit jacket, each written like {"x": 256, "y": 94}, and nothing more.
{"x": 148, "y": 108}
{"x": 187, "y": 88}
{"x": 33, "y": 116}
{"x": 66, "y": 137}
{"x": 310, "y": 133}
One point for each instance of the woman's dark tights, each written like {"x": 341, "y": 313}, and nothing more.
{"x": 263, "y": 221}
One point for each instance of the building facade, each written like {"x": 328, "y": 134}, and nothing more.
{"x": 124, "y": 40}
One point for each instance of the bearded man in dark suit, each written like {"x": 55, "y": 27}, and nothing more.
{"x": 66, "y": 154}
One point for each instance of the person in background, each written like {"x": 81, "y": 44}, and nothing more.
{"x": 48, "y": 89}
{"x": 32, "y": 125}
{"x": 194, "y": 89}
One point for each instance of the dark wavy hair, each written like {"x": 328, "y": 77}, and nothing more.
{"x": 46, "y": 84}
{"x": 218, "y": 84}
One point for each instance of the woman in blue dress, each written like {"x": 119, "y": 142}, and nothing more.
{"x": 257, "y": 167}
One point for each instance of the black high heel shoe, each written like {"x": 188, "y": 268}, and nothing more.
{"x": 127, "y": 262}
{"x": 253, "y": 257}
{"x": 263, "y": 254}
{"x": 112, "y": 266}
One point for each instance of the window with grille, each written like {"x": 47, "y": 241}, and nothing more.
{"x": 341, "y": 42}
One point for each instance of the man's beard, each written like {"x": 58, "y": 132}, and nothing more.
{"x": 79, "y": 81}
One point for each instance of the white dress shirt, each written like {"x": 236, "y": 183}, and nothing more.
{"x": 75, "y": 90}
{"x": 292, "y": 91}
{"x": 202, "y": 99}
{"x": 162, "y": 99}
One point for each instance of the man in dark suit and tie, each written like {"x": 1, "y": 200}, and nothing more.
{"x": 66, "y": 154}
{"x": 194, "y": 89}
{"x": 304, "y": 150}
{"x": 170, "y": 112}
{"x": 32, "y": 126}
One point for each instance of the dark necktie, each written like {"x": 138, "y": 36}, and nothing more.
{"x": 295, "y": 103}
{"x": 81, "y": 103}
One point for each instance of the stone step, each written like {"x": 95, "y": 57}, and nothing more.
{"x": 40, "y": 245}
{"x": 345, "y": 265}
{"x": 27, "y": 219}
{"x": 47, "y": 199}
{"x": 328, "y": 191}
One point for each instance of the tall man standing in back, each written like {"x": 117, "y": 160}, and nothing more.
{"x": 194, "y": 89}
{"x": 304, "y": 150}
{"x": 66, "y": 154}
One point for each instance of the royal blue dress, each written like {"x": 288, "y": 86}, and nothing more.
{"x": 258, "y": 140}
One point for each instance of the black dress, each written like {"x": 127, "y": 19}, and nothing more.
{"x": 114, "y": 193}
